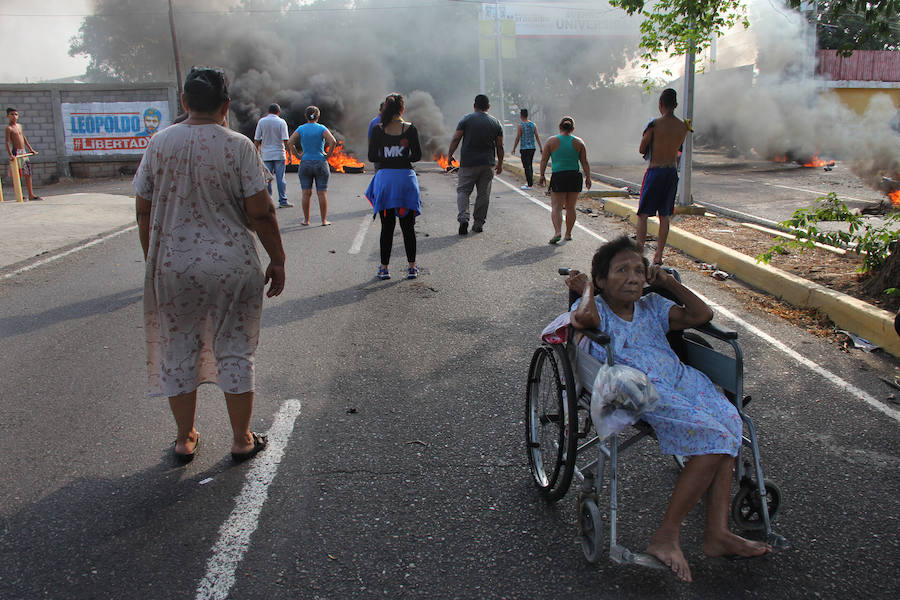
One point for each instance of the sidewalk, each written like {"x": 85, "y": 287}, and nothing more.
{"x": 32, "y": 228}
{"x": 863, "y": 319}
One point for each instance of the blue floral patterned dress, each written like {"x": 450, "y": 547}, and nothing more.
{"x": 692, "y": 416}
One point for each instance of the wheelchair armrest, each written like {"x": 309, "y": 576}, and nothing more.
{"x": 594, "y": 335}
{"x": 716, "y": 331}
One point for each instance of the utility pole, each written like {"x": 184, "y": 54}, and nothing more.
{"x": 175, "y": 50}
{"x": 498, "y": 34}
{"x": 685, "y": 199}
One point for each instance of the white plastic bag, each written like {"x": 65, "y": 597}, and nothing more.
{"x": 557, "y": 332}
{"x": 621, "y": 394}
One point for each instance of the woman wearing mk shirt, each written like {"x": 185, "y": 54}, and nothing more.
{"x": 394, "y": 191}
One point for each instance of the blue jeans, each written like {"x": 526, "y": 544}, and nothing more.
{"x": 276, "y": 168}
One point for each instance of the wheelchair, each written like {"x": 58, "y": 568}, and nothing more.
{"x": 559, "y": 434}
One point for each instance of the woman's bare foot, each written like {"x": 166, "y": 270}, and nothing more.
{"x": 669, "y": 553}
{"x": 326, "y": 223}
{"x": 729, "y": 544}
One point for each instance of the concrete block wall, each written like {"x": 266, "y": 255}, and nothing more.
{"x": 36, "y": 117}
{"x": 40, "y": 115}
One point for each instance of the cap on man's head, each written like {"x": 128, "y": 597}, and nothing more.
{"x": 482, "y": 102}
{"x": 274, "y": 108}
{"x": 10, "y": 110}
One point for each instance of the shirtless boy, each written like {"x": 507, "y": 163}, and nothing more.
{"x": 662, "y": 139}
{"x": 16, "y": 143}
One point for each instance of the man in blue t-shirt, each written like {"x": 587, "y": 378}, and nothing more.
{"x": 482, "y": 141}
{"x": 271, "y": 142}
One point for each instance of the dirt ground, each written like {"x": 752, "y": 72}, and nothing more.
{"x": 834, "y": 271}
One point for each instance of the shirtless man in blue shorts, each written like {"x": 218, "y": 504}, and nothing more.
{"x": 662, "y": 139}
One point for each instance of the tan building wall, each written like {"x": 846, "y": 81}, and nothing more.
{"x": 857, "y": 99}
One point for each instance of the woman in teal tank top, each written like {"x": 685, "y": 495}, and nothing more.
{"x": 567, "y": 153}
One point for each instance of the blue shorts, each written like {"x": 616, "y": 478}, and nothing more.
{"x": 313, "y": 169}
{"x": 658, "y": 191}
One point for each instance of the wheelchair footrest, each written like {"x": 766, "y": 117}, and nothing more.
{"x": 777, "y": 542}
{"x": 624, "y": 556}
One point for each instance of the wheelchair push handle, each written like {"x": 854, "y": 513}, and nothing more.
{"x": 566, "y": 271}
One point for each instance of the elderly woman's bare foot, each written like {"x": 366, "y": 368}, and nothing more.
{"x": 669, "y": 553}
{"x": 728, "y": 544}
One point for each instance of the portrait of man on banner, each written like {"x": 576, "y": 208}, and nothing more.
{"x": 152, "y": 118}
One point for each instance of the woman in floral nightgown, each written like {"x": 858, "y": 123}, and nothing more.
{"x": 200, "y": 195}
{"x": 692, "y": 418}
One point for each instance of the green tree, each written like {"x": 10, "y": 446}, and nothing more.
{"x": 878, "y": 19}
{"x": 674, "y": 27}
{"x": 844, "y": 29}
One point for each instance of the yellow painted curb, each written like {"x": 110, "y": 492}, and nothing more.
{"x": 847, "y": 312}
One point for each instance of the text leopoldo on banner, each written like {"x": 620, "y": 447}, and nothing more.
{"x": 97, "y": 128}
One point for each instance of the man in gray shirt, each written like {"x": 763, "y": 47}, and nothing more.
{"x": 482, "y": 141}
{"x": 271, "y": 142}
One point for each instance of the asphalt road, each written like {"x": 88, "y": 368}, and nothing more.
{"x": 761, "y": 189}
{"x": 397, "y": 406}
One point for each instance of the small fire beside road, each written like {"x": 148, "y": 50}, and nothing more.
{"x": 444, "y": 163}
{"x": 341, "y": 162}
{"x": 808, "y": 161}
{"x": 815, "y": 161}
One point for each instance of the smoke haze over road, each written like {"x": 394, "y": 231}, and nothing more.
{"x": 346, "y": 56}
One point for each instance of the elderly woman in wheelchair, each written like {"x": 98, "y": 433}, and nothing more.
{"x": 692, "y": 418}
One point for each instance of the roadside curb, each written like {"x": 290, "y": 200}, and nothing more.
{"x": 863, "y": 319}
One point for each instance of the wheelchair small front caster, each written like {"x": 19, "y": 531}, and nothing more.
{"x": 590, "y": 527}
{"x": 746, "y": 506}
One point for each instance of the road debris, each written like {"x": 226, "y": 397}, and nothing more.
{"x": 859, "y": 342}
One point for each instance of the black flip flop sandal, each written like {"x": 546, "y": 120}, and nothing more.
{"x": 259, "y": 444}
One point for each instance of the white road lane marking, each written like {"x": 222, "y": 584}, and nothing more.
{"x": 546, "y": 206}
{"x": 797, "y": 189}
{"x": 78, "y": 248}
{"x": 360, "y": 235}
{"x": 235, "y": 533}
{"x": 812, "y": 366}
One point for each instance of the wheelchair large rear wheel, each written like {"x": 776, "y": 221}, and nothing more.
{"x": 551, "y": 421}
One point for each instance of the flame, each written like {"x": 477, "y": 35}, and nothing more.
{"x": 340, "y": 159}
{"x": 895, "y": 198}
{"x": 781, "y": 158}
{"x": 815, "y": 161}
{"x": 442, "y": 161}
{"x": 291, "y": 160}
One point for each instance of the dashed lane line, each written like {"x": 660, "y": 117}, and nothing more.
{"x": 360, "y": 235}
{"x": 235, "y": 533}
{"x": 809, "y": 364}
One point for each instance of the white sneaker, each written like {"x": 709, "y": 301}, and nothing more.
{"x": 526, "y": 187}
